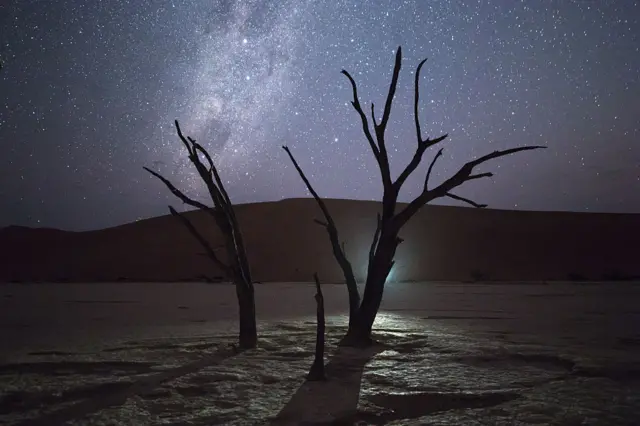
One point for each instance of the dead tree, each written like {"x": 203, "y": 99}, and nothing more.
{"x": 317, "y": 368}
{"x": 386, "y": 236}
{"x": 236, "y": 269}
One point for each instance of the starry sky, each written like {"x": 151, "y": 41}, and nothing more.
{"x": 89, "y": 91}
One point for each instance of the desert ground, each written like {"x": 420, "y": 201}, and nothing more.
{"x": 450, "y": 354}
{"x": 490, "y": 317}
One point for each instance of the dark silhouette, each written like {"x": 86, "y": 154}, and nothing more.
{"x": 386, "y": 236}
{"x": 237, "y": 268}
{"x": 317, "y": 368}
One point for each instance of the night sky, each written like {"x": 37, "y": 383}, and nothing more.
{"x": 89, "y": 91}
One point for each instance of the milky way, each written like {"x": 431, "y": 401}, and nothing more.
{"x": 89, "y": 92}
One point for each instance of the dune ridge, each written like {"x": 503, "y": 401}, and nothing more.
{"x": 284, "y": 244}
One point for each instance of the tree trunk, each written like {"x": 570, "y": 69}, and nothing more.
{"x": 241, "y": 276}
{"x": 248, "y": 338}
{"x": 359, "y": 331}
{"x": 317, "y": 368}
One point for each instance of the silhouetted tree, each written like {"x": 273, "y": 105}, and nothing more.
{"x": 386, "y": 238}
{"x": 237, "y": 267}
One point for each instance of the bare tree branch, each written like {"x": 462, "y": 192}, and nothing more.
{"x": 203, "y": 242}
{"x": 220, "y": 210}
{"x": 175, "y": 191}
{"x": 217, "y": 214}
{"x": 214, "y": 172}
{"x": 416, "y": 101}
{"x": 363, "y": 117}
{"x": 462, "y": 176}
{"x": 227, "y": 220}
{"x": 207, "y": 176}
{"x": 199, "y": 148}
{"x": 385, "y": 169}
{"x": 338, "y": 251}
{"x": 218, "y": 191}
{"x": 223, "y": 210}
{"x": 465, "y": 200}
{"x": 194, "y": 148}
{"x": 321, "y": 204}
{"x": 380, "y": 128}
{"x": 422, "y": 145}
{"x": 183, "y": 139}
{"x": 221, "y": 198}
{"x": 376, "y": 237}
{"x": 464, "y": 173}
{"x": 321, "y": 223}
{"x": 416, "y": 160}
{"x": 479, "y": 175}
{"x": 373, "y": 115}
{"x": 430, "y": 169}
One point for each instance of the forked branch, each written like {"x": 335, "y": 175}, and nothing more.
{"x": 423, "y": 144}
{"x": 222, "y": 211}
{"x": 225, "y": 214}
{"x": 194, "y": 149}
{"x": 184, "y": 140}
{"x": 365, "y": 123}
{"x": 217, "y": 214}
{"x": 463, "y": 175}
{"x": 378, "y": 145}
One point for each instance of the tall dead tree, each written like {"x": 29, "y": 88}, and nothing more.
{"x": 386, "y": 237}
{"x": 236, "y": 267}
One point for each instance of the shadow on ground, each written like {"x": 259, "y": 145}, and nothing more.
{"x": 344, "y": 380}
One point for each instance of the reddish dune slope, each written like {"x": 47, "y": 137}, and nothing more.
{"x": 284, "y": 244}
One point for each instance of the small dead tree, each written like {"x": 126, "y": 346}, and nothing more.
{"x": 316, "y": 372}
{"x": 237, "y": 267}
{"x": 386, "y": 238}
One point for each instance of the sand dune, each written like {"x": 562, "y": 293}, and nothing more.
{"x": 285, "y": 245}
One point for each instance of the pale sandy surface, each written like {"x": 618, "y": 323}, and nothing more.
{"x": 143, "y": 354}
